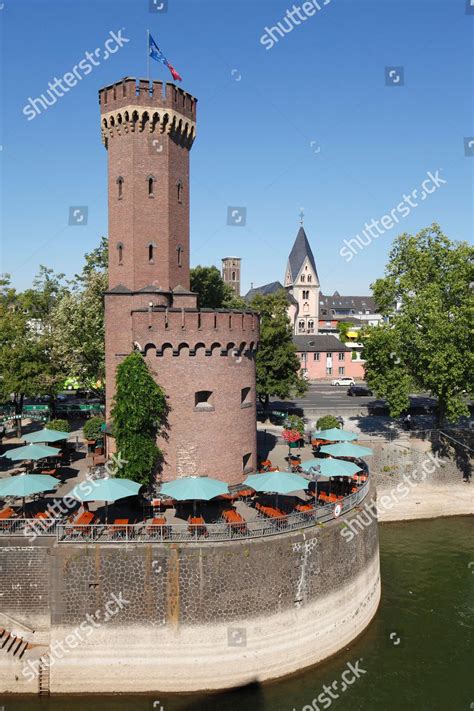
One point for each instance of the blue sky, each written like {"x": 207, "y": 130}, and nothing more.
{"x": 308, "y": 123}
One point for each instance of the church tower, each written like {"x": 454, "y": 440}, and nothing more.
{"x": 204, "y": 359}
{"x": 302, "y": 282}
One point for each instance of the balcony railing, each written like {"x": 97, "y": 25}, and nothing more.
{"x": 180, "y": 533}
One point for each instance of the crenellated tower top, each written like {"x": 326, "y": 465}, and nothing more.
{"x": 139, "y": 104}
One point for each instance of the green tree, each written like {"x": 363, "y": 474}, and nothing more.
{"x": 92, "y": 429}
{"x": 26, "y": 367}
{"x": 343, "y": 327}
{"x": 212, "y": 291}
{"x": 139, "y": 415}
{"x": 278, "y": 366}
{"x": 426, "y": 344}
{"x": 78, "y": 322}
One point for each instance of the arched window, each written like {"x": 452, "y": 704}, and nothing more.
{"x": 233, "y": 276}
{"x": 151, "y": 185}
{"x": 150, "y": 253}
{"x": 305, "y": 307}
{"x": 309, "y": 277}
{"x": 301, "y": 325}
{"x": 179, "y": 190}
{"x": 310, "y": 326}
{"x": 120, "y": 252}
{"x": 302, "y": 277}
{"x": 120, "y": 187}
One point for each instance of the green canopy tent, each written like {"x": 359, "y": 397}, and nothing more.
{"x": 107, "y": 490}
{"x": 195, "y": 488}
{"x": 346, "y": 449}
{"x": 25, "y": 485}
{"x": 44, "y": 435}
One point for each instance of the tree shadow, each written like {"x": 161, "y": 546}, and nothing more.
{"x": 266, "y": 442}
{"x": 458, "y": 449}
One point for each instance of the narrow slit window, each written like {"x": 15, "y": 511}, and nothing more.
{"x": 150, "y": 253}
{"x": 179, "y": 189}
{"x": 120, "y": 253}
{"x": 120, "y": 188}
{"x": 150, "y": 187}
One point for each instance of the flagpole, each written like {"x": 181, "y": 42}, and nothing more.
{"x": 148, "y": 53}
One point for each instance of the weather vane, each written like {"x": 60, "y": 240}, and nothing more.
{"x": 301, "y": 215}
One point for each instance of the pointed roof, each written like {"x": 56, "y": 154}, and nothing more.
{"x": 300, "y": 251}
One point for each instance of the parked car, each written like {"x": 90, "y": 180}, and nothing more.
{"x": 360, "y": 390}
{"x": 343, "y": 381}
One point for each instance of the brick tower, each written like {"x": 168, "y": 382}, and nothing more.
{"x": 231, "y": 273}
{"x": 204, "y": 359}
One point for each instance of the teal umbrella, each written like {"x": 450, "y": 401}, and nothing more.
{"x": 46, "y": 436}
{"x": 25, "y": 485}
{"x": 330, "y": 467}
{"x": 31, "y": 452}
{"x": 197, "y": 488}
{"x": 335, "y": 435}
{"x": 105, "y": 490}
{"x": 346, "y": 449}
{"x": 276, "y": 482}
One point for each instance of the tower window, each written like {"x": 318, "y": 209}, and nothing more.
{"x": 309, "y": 277}
{"x": 245, "y": 400}
{"x": 119, "y": 188}
{"x": 151, "y": 182}
{"x": 179, "y": 190}
{"x": 302, "y": 277}
{"x": 203, "y": 400}
{"x": 179, "y": 250}
{"x": 151, "y": 253}
{"x": 301, "y": 325}
{"x": 246, "y": 465}
{"x": 310, "y": 326}
{"x": 120, "y": 252}
{"x": 233, "y": 276}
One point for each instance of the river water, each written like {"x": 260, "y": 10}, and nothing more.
{"x": 417, "y": 653}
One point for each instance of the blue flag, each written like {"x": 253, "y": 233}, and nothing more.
{"x": 155, "y": 53}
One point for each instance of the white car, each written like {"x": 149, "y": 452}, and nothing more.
{"x": 343, "y": 381}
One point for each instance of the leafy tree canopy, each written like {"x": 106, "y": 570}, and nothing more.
{"x": 278, "y": 366}
{"x": 212, "y": 291}
{"x": 426, "y": 343}
{"x": 328, "y": 422}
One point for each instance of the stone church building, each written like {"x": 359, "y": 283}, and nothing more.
{"x": 315, "y": 317}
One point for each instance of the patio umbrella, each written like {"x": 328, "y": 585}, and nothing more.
{"x": 105, "y": 490}
{"x": 25, "y": 485}
{"x": 335, "y": 435}
{"x": 31, "y": 452}
{"x": 276, "y": 482}
{"x": 330, "y": 467}
{"x": 346, "y": 449}
{"x": 46, "y": 436}
{"x": 197, "y": 488}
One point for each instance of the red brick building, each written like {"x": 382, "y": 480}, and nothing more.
{"x": 204, "y": 359}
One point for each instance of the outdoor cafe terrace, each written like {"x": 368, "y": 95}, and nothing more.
{"x": 241, "y": 513}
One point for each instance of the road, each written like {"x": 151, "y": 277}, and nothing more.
{"x": 323, "y": 395}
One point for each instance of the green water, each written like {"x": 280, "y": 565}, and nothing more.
{"x": 427, "y": 605}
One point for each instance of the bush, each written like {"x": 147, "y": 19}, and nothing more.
{"x": 93, "y": 428}
{"x": 327, "y": 423}
{"x": 58, "y": 426}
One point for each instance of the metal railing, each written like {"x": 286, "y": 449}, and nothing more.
{"x": 144, "y": 532}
